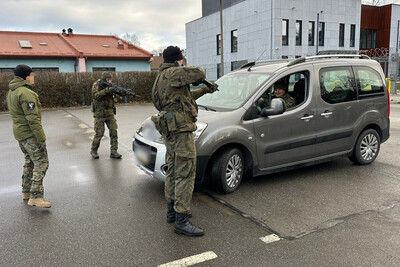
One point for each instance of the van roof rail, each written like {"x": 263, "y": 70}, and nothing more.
{"x": 304, "y": 59}
{"x": 262, "y": 62}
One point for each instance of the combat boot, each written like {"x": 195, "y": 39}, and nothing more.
{"x": 94, "y": 154}
{"x": 39, "y": 202}
{"x": 171, "y": 213}
{"x": 26, "y": 196}
{"x": 184, "y": 227}
{"x": 115, "y": 155}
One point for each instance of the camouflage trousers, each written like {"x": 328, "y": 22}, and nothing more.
{"x": 99, "y": 129}
{"x": 181, "y": 161}
{"x": 35, "y": 167}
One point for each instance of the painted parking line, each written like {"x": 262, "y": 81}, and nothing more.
{"x": 270, "y": 238}
{"x": 191, "y": 260}
{"x": 83, "y": 126}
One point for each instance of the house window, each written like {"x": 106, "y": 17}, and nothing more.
{"x": 298, "y": 32}
{"x": 368, "y": 38}
{"x": 41, "y": 70}
{"x": 341, "y": 34}
{"x": 219, "y": 44}
{"x": 311, "y": 32}
{"x": 234, "y": 42}
{"x": 103, "y": 69}
{"x": 352, "y": 35}
{"x": 285, "y": 32}
{"x": 7, "y": 70}
{"x": 321, "y": 33}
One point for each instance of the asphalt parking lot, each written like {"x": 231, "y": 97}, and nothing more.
{"x": 109, "y": 213}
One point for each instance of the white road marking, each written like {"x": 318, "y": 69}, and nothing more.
{"x": 68, "y": 116}
{"x": 90, "y": 130}
{"x": 270, "y": 238}
{"x": 191, "y": 260}
{"x": 83, "y": 126}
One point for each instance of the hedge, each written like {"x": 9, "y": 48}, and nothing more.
{"x": 57, "y": 89}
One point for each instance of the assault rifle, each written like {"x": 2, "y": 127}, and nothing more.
{"x": 210, "y": 84}
{"x": 118, "y": 89}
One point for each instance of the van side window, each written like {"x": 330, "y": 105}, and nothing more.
{"x": 369, "y": 81}
{"x": 337, "y": 85}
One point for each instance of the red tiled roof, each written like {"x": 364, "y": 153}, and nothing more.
{"x": 64, "y": 45}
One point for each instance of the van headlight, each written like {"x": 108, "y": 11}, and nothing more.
{"x": 201, "y": 126}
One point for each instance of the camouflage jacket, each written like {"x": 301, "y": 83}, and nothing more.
{"x": 102, "y": 101}
{"x": 173, "y": 98}
{"x": 289, "y": 101}
{"x": 25, "y": 110}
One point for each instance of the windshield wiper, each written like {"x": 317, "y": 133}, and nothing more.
{"x": 206, "y": 108}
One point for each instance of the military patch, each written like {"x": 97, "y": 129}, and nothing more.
{"x": 31, "y": 105}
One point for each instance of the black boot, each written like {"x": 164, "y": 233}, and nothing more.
{"x": 94, "y": 154}
{"x": 184, "y": 227}
{"x": 171, "y": 213}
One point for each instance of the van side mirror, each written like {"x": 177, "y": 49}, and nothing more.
{"x": 277, "y": 107}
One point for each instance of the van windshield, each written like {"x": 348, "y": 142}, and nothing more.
{"x": 234, "y": 90}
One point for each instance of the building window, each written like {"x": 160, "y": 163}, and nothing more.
{"x": 219, "y": 44}
{"x": 298, "y": 31}
{"x": 237, "y": 64}
{"x": 311, "y": 32}
{"x": 285, "y": 32}
{"x": 234, "y": 42}
{"x": 352, "y": 35}
{"x": 103, "y": 69}
{"x": 368, "y": 38}
{"x": 41, "y": 70}
{"x": 219, "y": 70}
{"x": 321, "y": 33}
{"x": 341, "y": 34}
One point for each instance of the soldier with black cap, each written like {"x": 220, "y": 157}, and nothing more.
{"x": 176, "y": 122}
{"x": 25, "y": 110}
{"x": 103, "y": 109}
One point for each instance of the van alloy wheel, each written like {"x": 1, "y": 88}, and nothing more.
{"x": 366, "y": 148}
{"x": 228, "y": 170}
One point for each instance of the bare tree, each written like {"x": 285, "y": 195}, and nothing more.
{"x": 131, "y": 37}
{"x": 158, "y": 51}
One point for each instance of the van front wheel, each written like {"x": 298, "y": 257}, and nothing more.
{"x": 366, "y": 148}
{"x": 227, "y": 171}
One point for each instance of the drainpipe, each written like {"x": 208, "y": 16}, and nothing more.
{"x": 272, "y": 30}
{"x": 222, "y": 37}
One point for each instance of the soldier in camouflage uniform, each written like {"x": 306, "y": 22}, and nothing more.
{"x": 25, "y": 110}
{"x": 176, "y": 123}
{"x": 279, "y": 91}
{"x": 103, "y": 109}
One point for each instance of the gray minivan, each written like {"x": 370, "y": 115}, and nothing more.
{"x": 341, "y": 109}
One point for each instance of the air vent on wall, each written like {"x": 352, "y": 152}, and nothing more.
{"x": 43, "y": 44}
{"x": 106, "y": 45}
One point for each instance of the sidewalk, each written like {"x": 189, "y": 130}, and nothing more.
{"x": 395, "y": 99}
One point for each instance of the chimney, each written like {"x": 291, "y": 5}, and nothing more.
{"x": 70, "y": 31}
{"x": 130, "y": 45}
{"x": 63, "y": 31}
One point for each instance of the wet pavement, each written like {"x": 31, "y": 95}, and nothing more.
{"x": 107, "y": 212}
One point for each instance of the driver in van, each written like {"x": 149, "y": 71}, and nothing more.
{"x": 279, "y": 91}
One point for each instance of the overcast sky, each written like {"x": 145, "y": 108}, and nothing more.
{"x": 155, "y": 22}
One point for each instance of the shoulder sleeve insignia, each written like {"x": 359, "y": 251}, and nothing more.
{"x": 31, "y": 105}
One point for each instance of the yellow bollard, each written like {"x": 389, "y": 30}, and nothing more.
{"x": 388, "y": 84}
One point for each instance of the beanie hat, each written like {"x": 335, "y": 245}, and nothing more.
{"x": 22, "y": 71}
{"x": 106, "y": 75}
{"x": 172, "y": 54}
{"x": 280, "y": 85}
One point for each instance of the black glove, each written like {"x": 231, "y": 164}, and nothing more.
{"x": 211, "y": 87}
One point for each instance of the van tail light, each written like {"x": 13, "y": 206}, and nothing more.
{"x": 388, "y": 99}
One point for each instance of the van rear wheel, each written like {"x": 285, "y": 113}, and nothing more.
{"x": 227, "y": 171}
{"x": 366, "y": 148}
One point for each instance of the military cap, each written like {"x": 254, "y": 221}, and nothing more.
{"x": 22, "y": 71}
{"x": 106, "y": 75}
{"x": 172, "y": 54}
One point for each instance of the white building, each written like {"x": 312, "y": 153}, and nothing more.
{"x": 270, "y": 29}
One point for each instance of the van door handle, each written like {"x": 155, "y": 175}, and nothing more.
{"x": 326, "y": 114}
{"x": 307, "y": 118}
